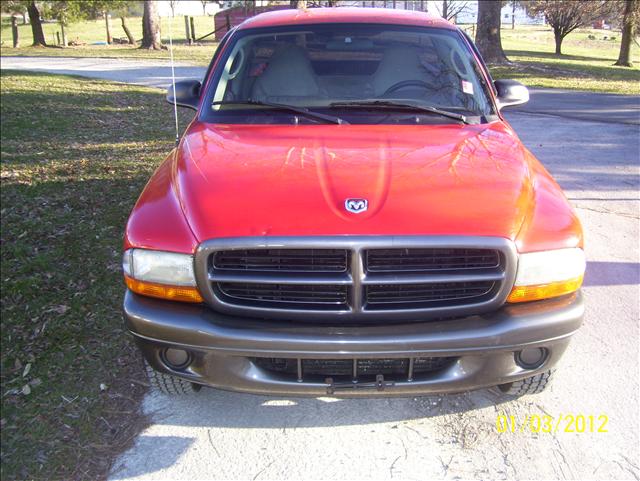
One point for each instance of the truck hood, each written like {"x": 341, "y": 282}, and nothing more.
{"x": 254, "y": 180}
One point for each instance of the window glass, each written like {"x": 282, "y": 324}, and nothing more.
{"x": 314, "y": 66}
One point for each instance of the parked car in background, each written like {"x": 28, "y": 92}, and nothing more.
{"x": 350, "y": 214}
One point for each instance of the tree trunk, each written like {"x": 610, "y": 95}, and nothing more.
{"x": 488, "y": 32}
{"x": 628, "y": 27}
{"x": 445, "y": 9}
{"x": 557, "y": 35}
{"x": 127, "y": 32}
{"x": 151, "y": 26}
{"x": 64, "y": 35}
{"x": 36, "y": 25}
{"x": 107, "y": 21}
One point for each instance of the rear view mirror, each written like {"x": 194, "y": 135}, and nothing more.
{"x": 187, "y": 94}
{"x": 511, "y": 93}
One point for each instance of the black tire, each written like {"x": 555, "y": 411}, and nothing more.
{"x": 530, "y": 385}
{"x": 167, "y": 384}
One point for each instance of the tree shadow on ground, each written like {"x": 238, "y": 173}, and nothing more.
{"x": 553, "y": 56}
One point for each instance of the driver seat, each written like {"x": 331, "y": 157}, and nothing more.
{"x": 398, "y": 64}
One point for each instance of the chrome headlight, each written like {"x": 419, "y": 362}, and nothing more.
{"x": 167, "y": 275}
{"x": 546, "y": 274}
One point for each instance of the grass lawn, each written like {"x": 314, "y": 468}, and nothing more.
{"x": 91, "y": 31}
{"x": 75, "y": 155}
{"x": 586, "y": 63}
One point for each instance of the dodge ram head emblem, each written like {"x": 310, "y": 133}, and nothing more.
{"x": 356, "y": 206}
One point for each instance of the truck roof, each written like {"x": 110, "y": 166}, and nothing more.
{"x": 345, "y": 15}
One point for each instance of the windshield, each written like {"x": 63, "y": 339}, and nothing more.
{"x": 359, "y": 73}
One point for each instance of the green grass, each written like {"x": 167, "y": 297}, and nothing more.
{"x": 75, "y": 155}
{"x": 586, "y": 63}
{"x": 90, "y": 31}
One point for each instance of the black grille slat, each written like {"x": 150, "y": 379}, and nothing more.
{"x": 384, "y": 294}
{"x": 285, "y": 293}
{"x": 282, "y": 260}
{"x": 396, "y": 368}
{"x": 430, "y": 259}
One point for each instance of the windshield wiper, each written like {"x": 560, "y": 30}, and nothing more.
{"x": 391, "y": 104}
{"x": 291, "y": 108}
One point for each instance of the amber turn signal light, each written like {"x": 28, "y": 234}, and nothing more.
{"x": 161, "y": 291}
{"x": 544, "y": 291}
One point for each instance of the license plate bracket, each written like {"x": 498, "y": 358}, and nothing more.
{"x": 380, "y": 384}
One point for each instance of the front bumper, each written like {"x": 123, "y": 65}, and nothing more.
{"x": 223, "y": 347}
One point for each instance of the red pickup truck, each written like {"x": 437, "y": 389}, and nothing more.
{"x": 349, "y": 213}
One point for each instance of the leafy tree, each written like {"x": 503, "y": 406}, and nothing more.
{"x": 121, "y": 8}
{"x": 488, "y": 31}
{"x": 66, "y": 12}
{"x": 15, "y": 7}
{"x": 151, "y": 26}
{"x": 34, "y": 10}
{"x": 565, "y": 16}
{"x": 630, "y": 25}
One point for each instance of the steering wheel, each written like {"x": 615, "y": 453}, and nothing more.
{"x": 407, "y": 83}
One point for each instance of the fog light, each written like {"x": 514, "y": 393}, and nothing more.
{"x": 531, "y": 358}
{"x": 176, "y": 358}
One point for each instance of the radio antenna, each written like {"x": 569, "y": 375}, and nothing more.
{"x": 173, "y": 84}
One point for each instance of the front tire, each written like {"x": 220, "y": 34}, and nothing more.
{"x": 530, "y": 385}
{"x": 168, "y": 384}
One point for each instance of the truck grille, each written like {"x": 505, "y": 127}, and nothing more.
{"x": 354, "y": 279}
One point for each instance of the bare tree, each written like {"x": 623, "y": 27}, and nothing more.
{"x": 172, "y": 4}
{"x": 488, "y": 31}
{"x": 204, "y": 6}
{"x": 629, "y": 29}
{"x": 151, "y": 26}
{"x": 565, "y": 16}
{"x": 450, "y": 9}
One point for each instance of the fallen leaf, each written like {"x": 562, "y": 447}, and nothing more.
{"x": 26, "y": 390}
{"x": 27, "y": 368}
{"x": 60, "y": 309}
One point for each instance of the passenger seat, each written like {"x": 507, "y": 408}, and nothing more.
{"x": 288, "y": 78}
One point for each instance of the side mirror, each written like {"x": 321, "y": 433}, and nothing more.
{"x": 187, "y": 93}
{"x": 511, "y": 93}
